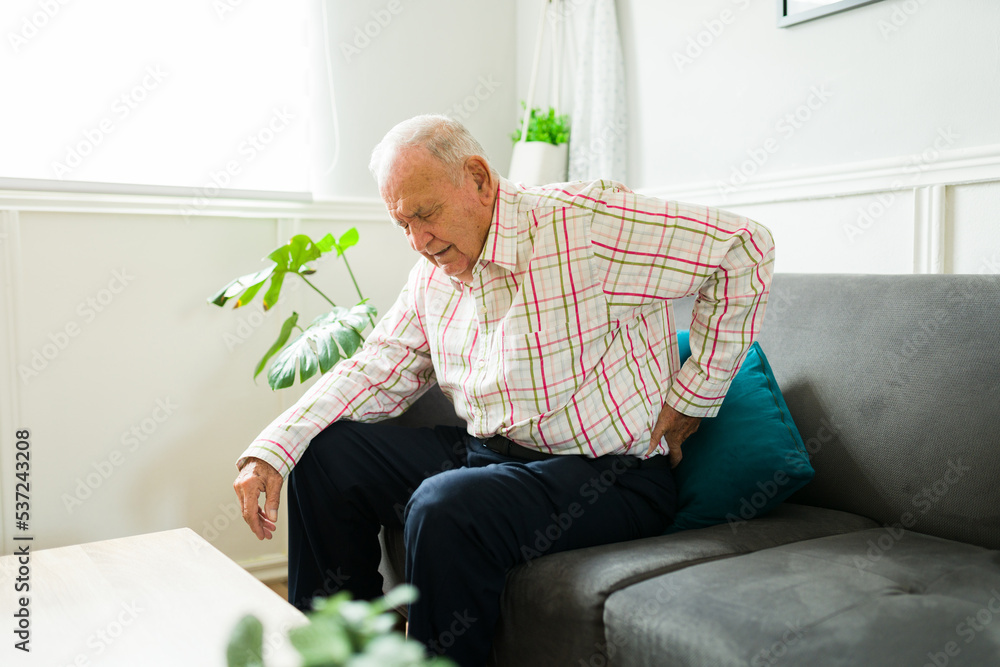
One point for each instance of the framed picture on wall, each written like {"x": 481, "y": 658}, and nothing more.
{"x": 791, "y": 12}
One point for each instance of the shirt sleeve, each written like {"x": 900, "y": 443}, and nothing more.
{"x": 657, "y": 249}
{"x": 383, "y": 378}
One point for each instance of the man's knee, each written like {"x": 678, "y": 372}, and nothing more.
{"x": 442, "y": 500}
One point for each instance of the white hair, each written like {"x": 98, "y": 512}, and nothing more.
{"x": 445, "y": 138}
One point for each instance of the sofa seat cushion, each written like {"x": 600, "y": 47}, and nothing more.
{"x": 876, "y": 597}
{"x": 552, "y": 609}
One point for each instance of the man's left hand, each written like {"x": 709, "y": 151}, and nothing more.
{"x": 676, "y": 427}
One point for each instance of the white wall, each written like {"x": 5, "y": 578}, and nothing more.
{"x": 829, "y": 132}
{"x": 454, "y": 57}
{"x": 975, "y": 242}
{"x": 889, "y": 89}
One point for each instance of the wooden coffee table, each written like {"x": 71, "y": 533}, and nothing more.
{"x": 167, "y": 598}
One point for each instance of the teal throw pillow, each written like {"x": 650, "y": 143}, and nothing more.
{"x": 746, "y": 460}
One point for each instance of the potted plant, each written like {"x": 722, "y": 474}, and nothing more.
{"x": 340, "y": 632}
{"x": 541, "y": 155}
{"x": 329, "y": 338}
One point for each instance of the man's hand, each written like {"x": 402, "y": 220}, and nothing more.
{"x": 676, "y": 427}
{"x": 256, "y": 477}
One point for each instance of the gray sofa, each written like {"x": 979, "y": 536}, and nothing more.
{"x": 888, "y": 557}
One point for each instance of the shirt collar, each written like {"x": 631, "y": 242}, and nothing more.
{"x": 501, "y": 241}
{"x": 500, "y": 247}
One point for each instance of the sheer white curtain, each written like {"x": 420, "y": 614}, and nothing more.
{"x": 598, "y": 142}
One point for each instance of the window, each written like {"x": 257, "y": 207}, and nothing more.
{"x": 196, "y": 93}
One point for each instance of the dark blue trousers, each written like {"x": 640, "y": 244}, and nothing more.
{"x": 468, "y": 516}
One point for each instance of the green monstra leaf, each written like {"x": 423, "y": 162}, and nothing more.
{"x": 348, "y": 339}
{"x": 248, "y": 295}
{"x": 243, "y": 284}
{"x": 330, "y": 338}
{"x": 329, "y": 355}
{"x": 366, "y": 314}
{"x": 308, "y": 364}
{"x": 293, "y": 257}
{"x": 289, "y": 258}
{"x": 286, "y": 331}
{"x": 349, "y": 238}
{"x": 327, "y": 243}
{"x": 297, "y": 252}
{"x": 282, "y": 371}
{"x": 271, "y": 296}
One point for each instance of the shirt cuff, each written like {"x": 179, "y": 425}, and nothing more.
{"x": 695, "y": 395}
{"x": 265, "y": 453}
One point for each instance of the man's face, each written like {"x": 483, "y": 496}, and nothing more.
{"x": 446, "y": 224}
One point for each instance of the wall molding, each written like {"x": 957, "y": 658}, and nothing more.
{"x": 930, "y": 222}
{"x": 360, "y": 209}
{"x": 96, "y": 187}
{"x": 933, "y": 167}
{"x": 928, "y": 176}
{"x": 10, "y": 409}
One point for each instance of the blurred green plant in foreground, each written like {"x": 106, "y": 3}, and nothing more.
{"x": 341, "y": 633}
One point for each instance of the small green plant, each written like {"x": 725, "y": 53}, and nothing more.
{"x": 341, "y": 633}
{"x": 329, "y": 338}
{"x": 547, "y": 127}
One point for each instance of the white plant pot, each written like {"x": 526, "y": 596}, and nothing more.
{"x": 538, "y": 163}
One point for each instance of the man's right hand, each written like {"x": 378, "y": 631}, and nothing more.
{"x": 258, "y": 476}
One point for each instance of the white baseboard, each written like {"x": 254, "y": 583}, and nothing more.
{"x": 268, "y": 569}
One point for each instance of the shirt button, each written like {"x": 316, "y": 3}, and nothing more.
{"x": 482, "y": 363}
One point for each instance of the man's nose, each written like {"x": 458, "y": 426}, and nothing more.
{"x": 419, "y": 239}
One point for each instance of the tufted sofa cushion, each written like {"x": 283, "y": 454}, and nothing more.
{"x": 552, "y": 610}
{"x": 884, "y": 596}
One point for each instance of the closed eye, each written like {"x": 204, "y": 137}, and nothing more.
{"x": 421, "y": 215}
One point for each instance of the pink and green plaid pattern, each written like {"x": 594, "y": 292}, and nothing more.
{"x": 565, "y": 341}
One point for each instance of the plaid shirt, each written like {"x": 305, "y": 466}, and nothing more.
{"x": 565, "y": 339}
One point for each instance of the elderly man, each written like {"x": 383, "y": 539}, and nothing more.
{"x": 544, "y": 314}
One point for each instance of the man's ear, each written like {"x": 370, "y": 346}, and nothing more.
{"x": 479, "y": 171}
